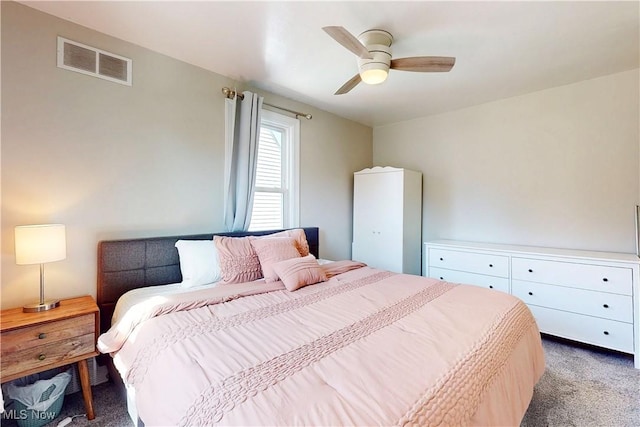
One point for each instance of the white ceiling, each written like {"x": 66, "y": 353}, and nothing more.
{"x": 503, "y": 49}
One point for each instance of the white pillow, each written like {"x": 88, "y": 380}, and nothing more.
{"x": 199, "y": 263}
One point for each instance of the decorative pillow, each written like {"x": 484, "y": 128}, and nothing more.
{"x": 238, "y": 261}
{"x": 298, "y": 272}
{"x": 298, "y": 234}
{"x": 273, "y": 250}
{"x": 199, "y": 262}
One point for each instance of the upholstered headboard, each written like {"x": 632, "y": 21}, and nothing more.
{"x": 135, "y": 263}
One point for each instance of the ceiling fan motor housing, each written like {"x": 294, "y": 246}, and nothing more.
{"x": 378, "y": 43}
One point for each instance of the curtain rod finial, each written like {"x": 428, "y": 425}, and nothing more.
{"x": 228, "y": 93}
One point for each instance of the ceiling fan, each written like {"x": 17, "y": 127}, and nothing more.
{"x": 373, "y": 48}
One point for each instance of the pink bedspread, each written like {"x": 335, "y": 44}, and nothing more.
{"x": 368, "y": 347}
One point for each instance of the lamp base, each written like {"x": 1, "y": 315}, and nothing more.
{"x": 37, "y": 307}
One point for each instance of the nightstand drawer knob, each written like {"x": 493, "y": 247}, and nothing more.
{"x": 42, "y": 336}
{"x": 41, "y": 356}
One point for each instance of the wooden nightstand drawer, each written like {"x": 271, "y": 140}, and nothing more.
{"x": 34, "y": 342}
{"x": 45, "y": 355}
{"x": 40, "y": 335}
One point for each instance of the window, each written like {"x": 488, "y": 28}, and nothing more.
{"x": 275, "y": 202}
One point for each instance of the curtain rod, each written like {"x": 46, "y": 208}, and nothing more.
{"x": 229, "y": 93}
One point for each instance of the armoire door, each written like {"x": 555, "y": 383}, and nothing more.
{"x": 377, "y": 219}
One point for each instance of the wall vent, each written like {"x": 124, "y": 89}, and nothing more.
{"x": 94, "y": 62}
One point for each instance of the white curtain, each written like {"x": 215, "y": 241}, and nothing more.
{"x": 243, "y": 133}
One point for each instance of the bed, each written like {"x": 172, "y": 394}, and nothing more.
{"x": 360, "y": 347}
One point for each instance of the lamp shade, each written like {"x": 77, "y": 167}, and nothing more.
{"x": 37, "y": 244}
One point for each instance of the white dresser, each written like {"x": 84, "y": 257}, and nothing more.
{"x": 387, "y": 219}
{"x": 591, "y": 297}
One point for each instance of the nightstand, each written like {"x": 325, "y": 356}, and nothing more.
{"x": 34, "y": 342}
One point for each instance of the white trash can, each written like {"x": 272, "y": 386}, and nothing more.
{"x": 37, "y": 401}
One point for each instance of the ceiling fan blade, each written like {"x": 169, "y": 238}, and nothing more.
{"x": 348, "y": 40}
{"x": 353, "y": 82}
{"x": 429, "y": 64}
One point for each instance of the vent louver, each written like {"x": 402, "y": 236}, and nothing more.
{"x": 94, "y": 62}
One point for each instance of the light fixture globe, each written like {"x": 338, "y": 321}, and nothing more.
{"x": 375, "y": 70}
{"x": 373, "y": 76}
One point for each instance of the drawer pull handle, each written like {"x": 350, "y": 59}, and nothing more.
{"x": 604, "y": 279}
{"x": 490, "y": 265}
{"x": 606, "y": 305}
{"x": 530, "y": 293}
{"x": 490, "y": 286}
{"x": 530, "y": 271}
{"x": 41, "y": 356}
{"x": 606, "y": 332}
{"x": 42, "y": 336}
{"x": 441, "y": 278}
{"x": 441, "y": 259}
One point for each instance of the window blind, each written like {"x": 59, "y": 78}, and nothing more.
{"x": 268, "y": 201}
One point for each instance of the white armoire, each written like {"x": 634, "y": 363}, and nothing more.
{"x": 387, "y": 219}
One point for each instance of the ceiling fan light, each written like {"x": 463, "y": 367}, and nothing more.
{"x": 375, "y": 71}
{"x": 374, "y": 76}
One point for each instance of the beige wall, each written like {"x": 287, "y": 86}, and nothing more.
{"x": 112, "y": 161}
{"x": 555, "y": 168}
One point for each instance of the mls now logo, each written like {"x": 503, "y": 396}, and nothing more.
{"x": 25, "y": 414}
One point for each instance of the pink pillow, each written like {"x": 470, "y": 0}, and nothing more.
{"x": 238, "y": 261}
{"x": 298, "y": 272}
{"x": 298, "y": 234}
{"x": 273, "y": 250}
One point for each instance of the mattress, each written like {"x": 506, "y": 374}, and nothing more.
{"x": 367, "y": 347}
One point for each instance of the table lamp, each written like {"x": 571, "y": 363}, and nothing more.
{"x": 38, "y": 244}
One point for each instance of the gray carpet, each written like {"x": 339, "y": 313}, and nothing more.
{"x": 585, "y": 386}
{"x": 582, "y": 386}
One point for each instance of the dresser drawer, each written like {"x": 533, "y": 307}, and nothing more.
{"x": 617, "y": 280}
{"x": 42, "y": 356}
{"x": 587, "y": 329}
{"x": 492, "y": 265}
{"x": 39, "y": 335}
{"x": 453, "y": 276}
{"x": 599, "y": 304}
